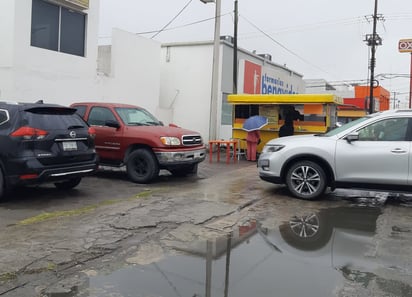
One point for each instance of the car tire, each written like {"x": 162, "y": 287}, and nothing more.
{"x": 306, "y": 180}
{"x": 68, "y": 184}
{"x": 185, "y": 170}
{"x": 142, "y": 166}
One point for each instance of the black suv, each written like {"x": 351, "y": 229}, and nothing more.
{"x": 44, "y": 143}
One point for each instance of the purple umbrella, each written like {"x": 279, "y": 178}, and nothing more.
{"x": 255, "y": 123}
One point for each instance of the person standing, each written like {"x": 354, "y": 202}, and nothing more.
{"x": 287, "y": 129}
{"x": 252, "y": 140}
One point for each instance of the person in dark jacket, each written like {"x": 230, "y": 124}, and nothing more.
{"x": 290, "y": 115}
{"x": 287, "y": 128}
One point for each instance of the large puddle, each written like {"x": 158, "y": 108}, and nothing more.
{"x": 332, "y": 252}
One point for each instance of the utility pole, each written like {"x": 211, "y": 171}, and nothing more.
{"x": 235, "y": 49}
{"x": 373, "y": 40}
{"x": 394, "y": 100}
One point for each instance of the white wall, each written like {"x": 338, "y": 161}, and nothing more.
{"x": 28, "y": 73}
{"x": 37, "y": 73}
{"x": 7, "y": 19}
{"x": 186, "y": 75}
{"x": 134, "y": 76}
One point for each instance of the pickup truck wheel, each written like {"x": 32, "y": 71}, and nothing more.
{"x": 185, "y": 170}
{"x": 68, "y": 184}
{"x": 306, "y": 180}
{"x": 142, "y": 166}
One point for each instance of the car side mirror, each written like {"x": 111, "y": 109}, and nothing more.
{"x": 112, "y": 124}
{"x": 352, "y": 137}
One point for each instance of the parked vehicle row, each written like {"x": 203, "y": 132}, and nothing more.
{"x": 48, "y": 143}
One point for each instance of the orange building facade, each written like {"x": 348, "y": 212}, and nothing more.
{"x": 381, "y": 97}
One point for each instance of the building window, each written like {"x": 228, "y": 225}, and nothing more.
{"x": 57, "y": 28}
{"x": 246, "y": 111}
{"x": 226, "y": 111}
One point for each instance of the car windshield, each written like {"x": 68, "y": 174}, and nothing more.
{"x": 337, "y": 130}
{"x": 137, "y": 117}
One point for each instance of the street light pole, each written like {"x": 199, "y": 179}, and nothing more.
{"x": 215, "y": 72}
{"x": 235, "y": 49}
{"x": 410, "y": 85}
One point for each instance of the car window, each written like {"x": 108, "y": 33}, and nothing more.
{"x": 80, "y": 110}
{"x": 56, "y": 118}
{"x": 4, "y": 116}
{"x": 344, "y": 127}
{"x": 385, "y": 130}
{"x": 137, "y": 116}
{"x": 99, "y": 115}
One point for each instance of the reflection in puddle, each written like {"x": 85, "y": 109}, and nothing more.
{"x": 327, "y": 253}
{"x": 371, "y": 198}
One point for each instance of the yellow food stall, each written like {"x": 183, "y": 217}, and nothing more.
{"x": 315, "y": 113}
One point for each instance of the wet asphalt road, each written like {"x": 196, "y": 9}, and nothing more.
{"x": 78, "y": 242}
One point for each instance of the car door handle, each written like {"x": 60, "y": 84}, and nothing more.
{"x": 398, "y": 151}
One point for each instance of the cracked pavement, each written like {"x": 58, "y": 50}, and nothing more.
{"x": 60, "y": 243}
{"x": 109, "y": 222}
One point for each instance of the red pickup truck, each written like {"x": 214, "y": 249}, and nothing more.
{"x": 131, "y": 136}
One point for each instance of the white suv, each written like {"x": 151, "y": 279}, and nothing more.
{"x": 373, "y": 152}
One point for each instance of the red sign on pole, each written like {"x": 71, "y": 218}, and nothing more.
{"x": 405, "y": 45}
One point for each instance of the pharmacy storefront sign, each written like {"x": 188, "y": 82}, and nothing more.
{"x": 258, "y": 79}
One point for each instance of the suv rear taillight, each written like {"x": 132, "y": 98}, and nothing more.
{"x": 92, "y": 132}
{"x": 29, "y": 133}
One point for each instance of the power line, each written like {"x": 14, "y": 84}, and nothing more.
{"x": 345, "y": 22}
{"x": 399, "y": 17}
{"x": 354, "y": 82}
{"x": 312, "y": 26}
{"x": 284, "y": 47}
{"x": 305, "y": 27}
{"x": 183, "y": 26}
{"x": 175, "y": 17}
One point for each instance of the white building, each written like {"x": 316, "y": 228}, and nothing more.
{"x": 34, "y": 63}
{"x": 321, "y": 86}
{"x": 50, "y": 51}
{"x": 186, "y": 83}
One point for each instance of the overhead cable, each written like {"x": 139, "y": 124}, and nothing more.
{"x": 284, "y": 47}
{"x": 175, "y": 17}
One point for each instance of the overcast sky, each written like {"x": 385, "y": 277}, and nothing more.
{"x": 317, "y": 38}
